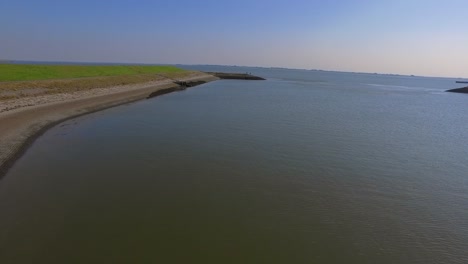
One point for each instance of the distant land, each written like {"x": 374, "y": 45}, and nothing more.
{"x": 179, "y": 65}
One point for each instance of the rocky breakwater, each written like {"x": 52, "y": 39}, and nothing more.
{"x": 235, "y": 76}
{"x": 458, "y": 90}
{"x": 179, "y": 86}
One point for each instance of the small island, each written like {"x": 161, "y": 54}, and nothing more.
{"x": 458, "y": 90}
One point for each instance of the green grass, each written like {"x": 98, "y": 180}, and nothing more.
{"x": 24, "y": 72}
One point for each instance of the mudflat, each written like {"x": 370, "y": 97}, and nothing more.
{"x": 23, "y": 119}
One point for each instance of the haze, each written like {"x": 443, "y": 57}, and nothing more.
{"x": 402, "y": 37}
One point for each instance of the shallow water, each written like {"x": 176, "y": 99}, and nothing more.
{"x": 306, "y": 167}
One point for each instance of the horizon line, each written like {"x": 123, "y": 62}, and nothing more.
{"x": 13, "y": 61}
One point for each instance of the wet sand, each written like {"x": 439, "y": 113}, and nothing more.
{"x": 23, "y": 120}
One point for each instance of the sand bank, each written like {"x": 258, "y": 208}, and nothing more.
{"x": 23, "y": 120}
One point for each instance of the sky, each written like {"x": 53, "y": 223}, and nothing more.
{"x": 402, "y": 37}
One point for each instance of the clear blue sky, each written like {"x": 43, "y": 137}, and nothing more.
{"x": 408, "y": 37}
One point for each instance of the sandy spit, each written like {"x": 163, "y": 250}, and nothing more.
{"x": 23, "y": 120}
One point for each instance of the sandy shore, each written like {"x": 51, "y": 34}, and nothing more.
{"x": 23, "y": 120}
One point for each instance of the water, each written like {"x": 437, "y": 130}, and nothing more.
{"x": 306, "y": 167}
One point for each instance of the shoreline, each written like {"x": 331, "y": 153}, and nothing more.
{"x": 24, "y": 120}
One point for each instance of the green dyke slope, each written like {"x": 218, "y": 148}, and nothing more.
{"x": 32, "y": 72}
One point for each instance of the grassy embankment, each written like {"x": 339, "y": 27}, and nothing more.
{"x": 19, "y": 80}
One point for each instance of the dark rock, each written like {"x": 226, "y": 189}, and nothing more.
{"x": 459, "y": 90}
{"x": 235, "y": 76}
{"x": 180, "y": 87}
{"x": 189, "y": 84}
{"x": 165, "y": 91}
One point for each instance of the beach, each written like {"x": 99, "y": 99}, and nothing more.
{"x": 24, "y": 119}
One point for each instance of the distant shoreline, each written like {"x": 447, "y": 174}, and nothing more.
{"x": 25, "y": 119}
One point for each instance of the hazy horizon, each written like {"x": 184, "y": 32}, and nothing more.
{"x": 214, "y": 65}
{"x": 423, "y": 38}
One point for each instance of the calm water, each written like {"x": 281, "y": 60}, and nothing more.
{"x": 306, "y": 167}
